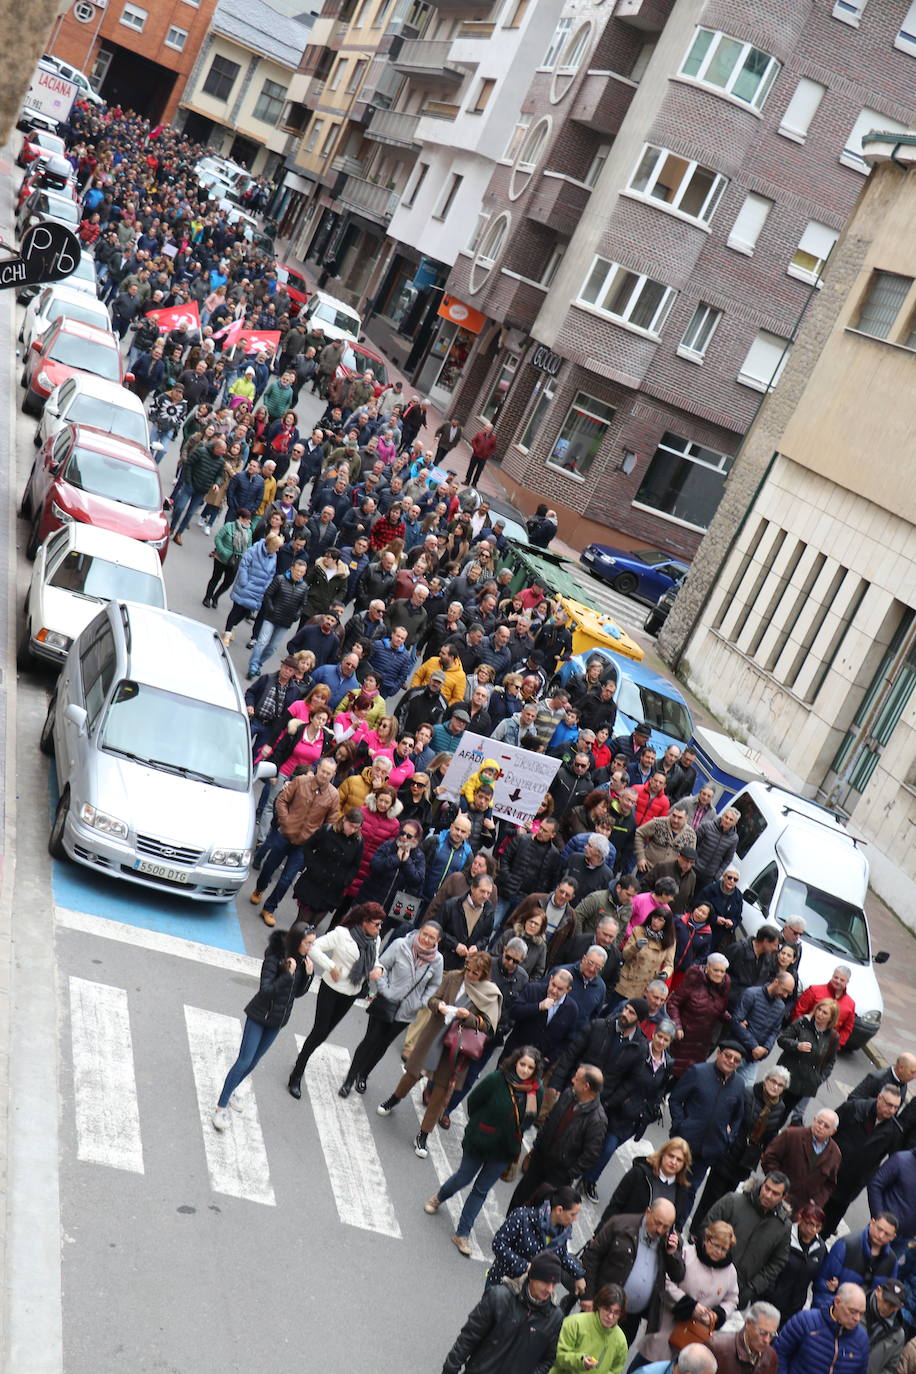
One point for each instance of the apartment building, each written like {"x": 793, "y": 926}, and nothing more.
{"x": 653, "y": 235}
{"x": 238, "y": 88}
{"x": 806, "y": 639}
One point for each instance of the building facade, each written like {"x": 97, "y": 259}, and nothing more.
{"x": 653, "y": 236}
{"x": 238, "y": 89}
{"x": 136, "y": 55}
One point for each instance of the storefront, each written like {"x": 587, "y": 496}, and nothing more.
{"x": 443, "y": 368}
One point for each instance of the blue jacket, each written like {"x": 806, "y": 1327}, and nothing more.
{"x": 531, "y": 1027}
{"x": 255, "y": 574}
{"x": 846, "y": 1260}
{"x": 527, "y": 1232}
{"x": 706, "y": 1111}
{"x": 764, "y": 1016}
{"x": 893, "y": 1189}
{"x": 811, "y": 1342}
{"x": 332, "y": 677}
{"x": 244, "y": 492}
{"x": 392, "y": 665}
{"x": 439, "y": 855}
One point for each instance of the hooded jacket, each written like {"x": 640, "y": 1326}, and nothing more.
{"x": 507, "y": 1333}
{"x": 329, "y": 862}
{"x": 272, "y": 1004}
{"x": 377, "y": 827}
{"x": 324, "y": 587}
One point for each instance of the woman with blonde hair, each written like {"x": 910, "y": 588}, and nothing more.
{"x": 701, "y": 1302}
{"x": 663, "y": 1173}
{"x": 809, "y": 1050}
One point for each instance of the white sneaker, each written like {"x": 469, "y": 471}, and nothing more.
{"x": 221, "y": 1119}
{"x": 236, "y": 1103}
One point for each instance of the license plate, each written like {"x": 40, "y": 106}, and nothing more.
{"x": 172, "y": 875}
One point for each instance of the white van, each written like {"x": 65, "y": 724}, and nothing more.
{"x": 337, "y": 319}
{"x": 798, "y": 859}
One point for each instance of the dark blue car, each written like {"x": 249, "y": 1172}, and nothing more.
{"x": 643, "y": 573}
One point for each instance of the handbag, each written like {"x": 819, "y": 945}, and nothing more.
{"x": 404, "y": 906}
{"x": 470, "y": 1043}
{"x": 386, "y": 1008}
{"x": 688, "y": 1333}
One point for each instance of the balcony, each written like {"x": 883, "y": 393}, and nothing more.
{"x": 557, "y": 204}
{"x": 368, "y": 198}
{"x": 512, "y": 300}
{"x": 440, "y": 109}
{"x": 602, "y": 102}
{"x": 649, "y": 16}
{"x": 427, "y": 59}
{"x": 314, "y": 91}
{"x": 394, "y": 127}
{"x": 476, "y": 28}
{"x": 348, "y": 166}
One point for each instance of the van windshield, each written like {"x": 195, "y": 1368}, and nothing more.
{"x": 327, "y": 314}
{"x": 662, "y": 713}
{"x": 831, "y": 923}
{"x": 179, "y": 735}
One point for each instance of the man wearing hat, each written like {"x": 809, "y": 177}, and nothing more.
{"x": 631, "y": 746}
{"x": 515, "y": 1326}
{"x": 269, "y": 697}
{"x": 447, "y": 733}
{"x": 707, "y": 1108}
{"x": 884, "y": 1326}
{"x": 424, "y": 705}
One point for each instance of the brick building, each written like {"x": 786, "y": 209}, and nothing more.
{"x": 654, "y": 234}
{"x": 135, "y": 55}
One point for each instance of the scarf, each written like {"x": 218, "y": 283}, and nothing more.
{"x": 523, "y": 1094}
{"x": 365, "y": 963}
{"x": 421, "y": 956}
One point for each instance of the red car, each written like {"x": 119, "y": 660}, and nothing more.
{"x": 68, "y": 347}
{"x": 296, "y": 287}
{"x": 87, "y": 475}
{"x": 37, "y": 143}
{"x": 358, "y": 359}
{"x": 48, "y": 174}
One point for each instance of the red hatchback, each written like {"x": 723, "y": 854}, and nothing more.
{"x": 87, "y": 475}
{"x": 38, "y": 143}
{"x": 68, "y": 348}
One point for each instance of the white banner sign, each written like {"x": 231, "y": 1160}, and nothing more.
{"x": 523, "y": 779}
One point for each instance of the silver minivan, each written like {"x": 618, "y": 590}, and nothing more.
{"x": 150, "y": 734}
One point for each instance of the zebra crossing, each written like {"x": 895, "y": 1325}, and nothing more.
{"x": 630, "y": 615}
{"x": 109, "y": 1123}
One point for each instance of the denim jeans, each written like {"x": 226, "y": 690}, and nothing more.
{"x": 487, "y": 1172}
{"x": 277, "y": 850}
{"x": 186, "y": 501}
{"x": 611, "y": 1143}
{"x": 161, "y": 434}
{"x": 269, "y": 636}
{"x": 256, "y": 1041}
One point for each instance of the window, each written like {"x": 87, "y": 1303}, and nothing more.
{"x": 642, "y": 61}
{"x": 447, "y": 199}
{"x": 132, "y": 17}
{"x": 628, "y": 297}
{"x": 766, "y": 358}
{"x": 492, "y": 241}
{"x": 868, "y": 120}
{"x": 814, "y": 248}
{"x": 221, "y": 78}
{"x": 886, "y": 293}
{"x": 906, "y": 38}
{"x": 543, "y": 397}
{"x": 516, "y": 138}
{"x": 329, "y": 139}
{"x": 381, "y": 14}
{"x": 314, "y": 135}
{"x": 751, "y": 218}
{"x": 553, "y": 264}
{"x": 336, "y": 76}
{"x": 483, "y": 95}
{"x": 751, "y": 825}
{"x": 730, "y": 66}
{"x": 849, "y": 11}
{"x": 517, "y": 11}
{"x": 176, "y": 38}
{"x": 528, "y": 156}
{"x": 270, "y": 102}
{"x": 194, "y": 3}
{"x": 500, "y": 389}
{"x": 570, "y": 61}
{"x": 685, "y": 481}
{"x": 356, "y": 76}
{"x": 801, "y": 109}
{"x": 482, "y": 221}
{"x": 584, "y": 430}
{"x": 560, "y": 35}
{"x": 699, "y": 331}
{"x": 678, "y": 183}
{"x": 411, "y": 195}
{"x": 597, "y": 164}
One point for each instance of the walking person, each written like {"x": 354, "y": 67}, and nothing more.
{"x": 483, "y": 446}
{"x": 348, "y": 960}
{"x": 501, "y": 1107}
{"x": 232, "y": 543}
{"x": 286, "y": 974}
{"x": 329, "y": 863}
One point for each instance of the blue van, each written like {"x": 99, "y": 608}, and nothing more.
{"x": 642, "y": 695}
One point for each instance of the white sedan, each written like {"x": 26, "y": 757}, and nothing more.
{"x": 76, "y": 570}
{"x": 89, "y": 400}
{"x": 54, "y": 301}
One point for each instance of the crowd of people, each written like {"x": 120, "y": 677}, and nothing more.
{"x": 572, "y": 980}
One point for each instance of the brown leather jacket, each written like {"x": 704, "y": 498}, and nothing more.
{"x": 300, "y": 808}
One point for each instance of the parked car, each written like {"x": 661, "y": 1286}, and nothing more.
{"x": 357, "y": 359}
{"x": 79, "y": 78}
{"x": 41, "y": 206}
{"x": 61, "y": 302}
{"x": 68, "y": 347}
{"x": 150, "y": 735}
{"x": 77, "y": 569}
{"x": 38, "y": 143}
{"x": 50, "y": 173}
{"x": 659, "y": 613}
{"x": 798, "y": 859}
{"x": 95, "y": 478}
{"x": 641, "y": 573}
{"x": 642, "y": 695}
{"x": 82, "y": 278}
{"x": 296, "y": 287}
{"x": 337, "y": 319}
{"x": 91, "y": 401}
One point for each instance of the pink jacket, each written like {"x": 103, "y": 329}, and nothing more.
{"x": 641, "y": 905}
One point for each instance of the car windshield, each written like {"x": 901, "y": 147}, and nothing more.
{"x": 86, "y": 354}
{"x": 98, "y": 414}
{"x": 338, "y": 318}
{"x": 363, "y": 362}
{"x": 298, "y": 283}
{"x": 101, "y": 475}
{"x": 73, "y": 310}
{"x": 180, "y": 735}
{"x": 661, "y": 712}
{"x": 88, "y": 575}
{"x": 50, "y": 142}
{"x": 63, "y": 208}
{"x": 831, "y": 923}
{"x": 650, "y": 556}
{"x": 84, "y": 271}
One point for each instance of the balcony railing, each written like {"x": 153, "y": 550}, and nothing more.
{"x": 394, "y": 127}
{"x": 368, "y": 198}
{"x": 428, "y": 58}
{"x": 476, "y": 28}
{"x": 441, "y": 109}
{"x": 350, "y": 166}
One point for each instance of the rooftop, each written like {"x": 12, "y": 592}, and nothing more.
{"x": 263, "y": 29}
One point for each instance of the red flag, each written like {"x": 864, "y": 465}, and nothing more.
{"x": 260, "y": 340}
{"x": 175, "y": 316}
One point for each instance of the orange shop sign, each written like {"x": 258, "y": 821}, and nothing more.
{"x": 464, "y": 315}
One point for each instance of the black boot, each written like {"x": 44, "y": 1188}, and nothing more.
{"x": 294, "y": 1087}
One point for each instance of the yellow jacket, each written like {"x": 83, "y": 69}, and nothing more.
{"x": 455, "y": 684}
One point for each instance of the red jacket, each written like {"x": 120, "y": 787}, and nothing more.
{"x": 810, "y": 998}
{"x": 648, "y": 808}
{"x": 483, "y": 444}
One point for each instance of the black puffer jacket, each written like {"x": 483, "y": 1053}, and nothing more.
{"x": 284, "y": 600}
{"x": 528, "y": 865}
{"x": 330, "y": 863}
{"x": 507, "y": 1333}
{"x": 272, "y": 1004}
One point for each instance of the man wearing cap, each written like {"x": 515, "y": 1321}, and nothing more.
{"x": 448, "y": 732}
{"x": 269, "y": 697}
{"x": 515, "y": 1327}
{"x": 707, "y": 1108}
{"x": 454, "y": 683}
{"x": 631, "y": 746}
{"x": 884, "y": 1326}
{"x": 423, "y": 705}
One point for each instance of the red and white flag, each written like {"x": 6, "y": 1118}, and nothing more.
{"x": 176, "y": 316}
{"x": 260, "y": 340}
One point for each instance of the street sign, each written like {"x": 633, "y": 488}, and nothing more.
{"x": 48, "y": 252}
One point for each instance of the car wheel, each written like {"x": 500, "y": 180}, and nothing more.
{"x": 652, "y": 624}
{"x": 36, "y": 438}
{"x": 56, "y": 837}
{"x": 25, "y": 505}
{"x": 24, "y": 379}
{"x": 46, "y": 739}
{"x": 34, "y": 543}
{"x": 626, "y": 584}
{"x": 24, "y": 649}
{"x": 31, "y": 403}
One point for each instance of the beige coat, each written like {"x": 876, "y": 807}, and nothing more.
{"x": 640, "y": 966}
{"x": 486, "y": 1006}
{"x": 657, "y": 843}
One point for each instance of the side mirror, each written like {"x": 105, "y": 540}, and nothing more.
{"x": 76, "y": 716}
{"x": 750, "y": 896}
{"x": 36, "y": 345}
{"x": 265, "y": 769}
{"x": 128, "y": 376}
{"x": 51, "y": 409}
{"x": 881, "y": 957}
{"x": 168, "y": 503}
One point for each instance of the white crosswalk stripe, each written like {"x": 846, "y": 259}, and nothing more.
{"x": 107, "y": 1115}
{"x": 628, "y": 614}
{"x": 236, "y": 1158}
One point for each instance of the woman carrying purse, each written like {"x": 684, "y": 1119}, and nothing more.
{"x": 232, "y": 542}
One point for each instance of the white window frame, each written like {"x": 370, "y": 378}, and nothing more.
{"x": 612, "y": 271}
{"x": 129, "y": 12}
{"x": 906, "y": 37}
{"x": 491, "y": 244}
{"x": 334, "y": 80}
{"x": 327, "y": 146}
{"x": 868, "y": 120}
{"x": 713, "y": 197}
{"x": 529, "y": 155}
{"x": 581, "y": 403}
{"x": 517, "y": 138}
{"x": 897, "y": 301}
{"x": 195, "y": 4}
{"x": 483, "y": 219}
{"x": 557, "y": 43}
{"x": 849, "y": 11}
{"x": 542, "y": 398}
{"x": 570, "y": 61}
{"x": 817, "y": 242}
{"x": 169, "y": 39}
{"x": 682, "y": 451}
{"x": 755, "y": 380}
{"x": 801, "y": 109}
{"x": 704, "y": 318}
{"x": 740, "y": 241}
{"x": 314, "y": 136}
{"x": 745, "y": 49}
